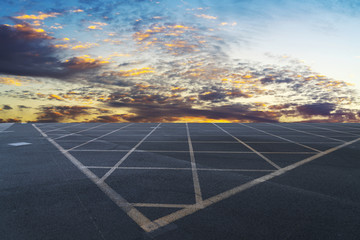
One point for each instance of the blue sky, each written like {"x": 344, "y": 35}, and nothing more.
{"x": 277, "y": 60}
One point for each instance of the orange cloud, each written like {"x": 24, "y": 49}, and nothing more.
{"x": 30, "y": 32}
{"x": 84, "y": 46}
{"x": 205, "y": 16}
{"x": 135, "y": 72}
{"x": 53, "y": 96}
{"x": 41, "y": 16}
{"x": 94, "y": 27}
{"x": 77, "y": 10}
{"x": 10, "y": 81}
{"x": 85, "y": 62}
{"x": 61, "y": 46}
{"x": 99, "y": 23}
{"x": 170, "y": 30}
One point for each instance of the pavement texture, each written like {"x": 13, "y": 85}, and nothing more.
{"x": 179, "y": 181}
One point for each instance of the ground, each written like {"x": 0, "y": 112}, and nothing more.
{"x": 179, "y": 181}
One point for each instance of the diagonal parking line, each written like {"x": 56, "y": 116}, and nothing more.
{"x": 183, "y": 169}
{"x": 184, "y": 210}
{"x": 170, "y": 151}
{"x": 160, "y": 205}
{"x": 146, "y": 224}
{"x": 249, "y": 147}
{"x": 316, "y": 150}
{"x": 328, "y": 129}
{"x": 314, "y": 134}
{"x": 70, "y": 134}
{"x": 4, "y": 126}
{"x": 127, "y": 155}
{"x": 64, "y": 127}
{"x": 197, "y": 189}
{"x": 94, "y": 139}
{"x": 348, "y": 127}
{"x": 166, "y": 220}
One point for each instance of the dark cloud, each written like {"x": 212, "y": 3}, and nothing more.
{"x": 323, "y": 109}
{"x": 9, "y": 120}
{"x": 7, "y": 107}
{"x": 26, "y": 52}
{"x": 66, "y": 113}
{"x": 172, "y": 112}
{"x": 22, "y": 107}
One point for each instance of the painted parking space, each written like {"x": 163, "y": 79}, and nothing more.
{"x": 160, "y": 174}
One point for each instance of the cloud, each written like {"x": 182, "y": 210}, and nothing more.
{"x": 40, "y": 16}
{"x": 84, "y": 62}
{"x": 7, "y": 107}
{"x": 205, "y": 16}
{"x": 10, "y": 81}
{"x": 25, "y": 52}
{"x": 66, "y": 113}
{"x": 23, "y": 107}
{"x": 10, "y": 120}
{"x": 133, "y": 72}
{"x": 322, "y": 109}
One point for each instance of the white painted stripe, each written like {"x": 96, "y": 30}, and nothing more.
{"x": 288, "y": 140}
{"x": 160, "y": 205}
{"x": 132, "y": 212}
{"x": 348, "y": 127}
{"x": 328, "y": 129}
{"x": 4, "y": 126}
{"x": 182, "y": 169}
{"x": 318, "y": 135}
{"x": 127, "y": 155}
{"x": 64, "y": 127}
{"x": 197, "y": 189}
{"x": 19, "y": 144}
{"x": 70, "y": 134}
{"x": 169, "y": 151}
{"x": 249, "y": 147}
{"x": 94, "y": 139}
{"x": 163, "y": 221}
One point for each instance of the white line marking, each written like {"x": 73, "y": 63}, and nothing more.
{"x": 64, "y": 127}
{"x": 168, "y": 151}
{"x": 197, "y": 189}
{"x": 94, "y": 139}
{"x": 132, "y": 212}
{"x": 328, "y": 129}
{"x": 4, "y": 126}
{"x": 182, "y": 169}
{"x": 252, "y": 149}
{"x": 163, "y": 221}
{"x": 342, "y": 125}
{"x": 316, "y": 150}
{"x": 19, "y": 144}
{"x": 126, "y": 155}
{"x": 160, "y": 205}
{"x": 66, "y": 135}
{"x": 318, "y": 135}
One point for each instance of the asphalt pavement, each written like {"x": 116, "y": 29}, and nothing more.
{"x": 180, "y": 181}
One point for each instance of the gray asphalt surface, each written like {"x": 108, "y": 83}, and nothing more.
{"x": 179, "y": 181}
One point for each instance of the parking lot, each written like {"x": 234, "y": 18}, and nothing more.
{"x": 180, "y": 181}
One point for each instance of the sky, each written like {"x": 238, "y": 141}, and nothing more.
{"x": 180, "y": 61}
